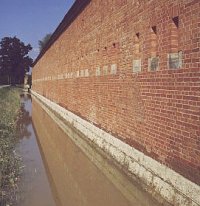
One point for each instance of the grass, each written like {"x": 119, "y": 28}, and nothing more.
{"x": 9, "y": 162}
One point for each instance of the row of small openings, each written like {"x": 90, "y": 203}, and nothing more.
{"x": 114, "y": 45}
{"x": 105, "y": 48}
{"x": 174, "y": 39}
{"x": 174, "y": 57}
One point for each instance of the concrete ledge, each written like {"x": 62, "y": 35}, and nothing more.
{"x": 158, "y": 179}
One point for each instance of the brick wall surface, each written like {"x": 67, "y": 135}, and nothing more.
{"x": 132, "y": 68}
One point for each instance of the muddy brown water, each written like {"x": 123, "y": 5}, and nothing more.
{"x": 61, "y": 172}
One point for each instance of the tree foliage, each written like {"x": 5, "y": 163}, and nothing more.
{"x": 14, "y": 59}
{"x": 44, "y": 41}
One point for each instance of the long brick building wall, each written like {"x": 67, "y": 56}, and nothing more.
{"x": 131, "y": 68}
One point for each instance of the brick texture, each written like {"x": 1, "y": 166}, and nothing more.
{"x": 99, "y": 69}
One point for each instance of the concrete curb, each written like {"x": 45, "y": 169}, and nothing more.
{"x": 158, "y": 179}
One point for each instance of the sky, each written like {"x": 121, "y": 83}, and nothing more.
{"x": 31, "y": 20}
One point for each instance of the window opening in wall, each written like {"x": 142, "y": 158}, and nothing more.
{"x": 175, "y": 56}
{"x": 153, "y": 39}
{"x": 137, "y": 44}
{"x": 176, "y": 21}
{"x": 137, "y": 62}
{"x": 154, "y": 29}
{"x": 174, "y": 34}
{"x": 153, "y": 60}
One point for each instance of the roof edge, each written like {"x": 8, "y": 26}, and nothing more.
{"x": 72, "y": 14}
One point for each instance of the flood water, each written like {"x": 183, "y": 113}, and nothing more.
{"x": 59, "y": 171}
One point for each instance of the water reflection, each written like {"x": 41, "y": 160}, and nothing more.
{"x": 82, "y": 178}
{"x": 34, "y": 188}
{"x": 24, "y": 119}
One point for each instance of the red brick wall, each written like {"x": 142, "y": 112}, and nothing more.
{"x": 155, "y": 111}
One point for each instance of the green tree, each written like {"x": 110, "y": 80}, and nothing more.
{"x": 44, "y": 41}
{"x": 14, "y": 60}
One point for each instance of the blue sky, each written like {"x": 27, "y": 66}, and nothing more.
{"x": 31, "y": 20}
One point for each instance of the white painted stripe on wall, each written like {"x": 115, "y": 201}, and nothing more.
{"x": 173, "y": 187}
